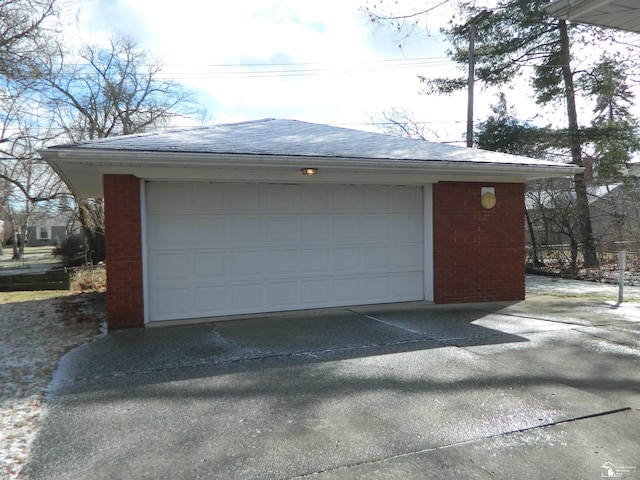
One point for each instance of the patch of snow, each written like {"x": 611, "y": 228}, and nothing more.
{"x": 33, "y": 336}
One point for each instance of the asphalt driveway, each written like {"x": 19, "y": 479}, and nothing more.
{"x": 546, "y": 388}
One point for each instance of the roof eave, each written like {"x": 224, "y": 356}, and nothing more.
{"x": 114, "y": 158}
{"x": 91, "y": 164}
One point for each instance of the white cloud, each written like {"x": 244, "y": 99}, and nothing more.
{"x": 327, "y": 37}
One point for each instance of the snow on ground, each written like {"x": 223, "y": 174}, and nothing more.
{"x": 574, "y": 288}
{"x": 37, "y": 328}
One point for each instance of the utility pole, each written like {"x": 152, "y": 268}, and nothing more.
{"x": 471, "y": 26}
{"x": 470, "y": 85}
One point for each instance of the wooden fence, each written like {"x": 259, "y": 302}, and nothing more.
{"x": 51, "y": 280}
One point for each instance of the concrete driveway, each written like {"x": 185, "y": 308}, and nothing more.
{"x": 546, "y": 388}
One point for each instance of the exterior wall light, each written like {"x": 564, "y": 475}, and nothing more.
{"x": 309, "y": 171}
{"x": 488, "y": 197}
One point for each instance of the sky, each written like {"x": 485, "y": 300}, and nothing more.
{"x": 322, "y": 62}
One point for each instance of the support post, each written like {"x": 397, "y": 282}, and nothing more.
{"x": 622, "y": 266}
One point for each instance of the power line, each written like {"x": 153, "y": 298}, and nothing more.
{"x": 294, "y": 69}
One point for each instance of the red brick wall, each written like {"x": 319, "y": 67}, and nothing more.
{"x": 478, "y": 254}
{"x": 123, "y": 239}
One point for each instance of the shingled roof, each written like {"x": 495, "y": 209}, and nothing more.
{"x": 272, "y": 143}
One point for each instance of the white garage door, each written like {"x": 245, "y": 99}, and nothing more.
{"x": 223, "y": 249}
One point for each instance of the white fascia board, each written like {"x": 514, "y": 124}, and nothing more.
{"x": 83, "y": 170}
{"x": 115, "y": 159}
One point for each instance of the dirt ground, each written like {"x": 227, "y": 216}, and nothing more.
{"x": 36, "y": 329}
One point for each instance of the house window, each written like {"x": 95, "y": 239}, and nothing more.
{"x": 43, "y": 234}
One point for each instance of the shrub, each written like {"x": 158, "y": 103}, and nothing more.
{"x": 72, "y": 250}
{"x": 89, "y": 279}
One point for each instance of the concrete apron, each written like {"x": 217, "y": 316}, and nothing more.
{"x": 544, "y": 388}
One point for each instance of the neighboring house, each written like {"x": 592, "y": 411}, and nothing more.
{"x": 280, "y": 215}
{"x": 50, "y": 230}
{"x": 618, "y": 14}
{"x": 45, "y": 230}
{"x": 615, "y": 215}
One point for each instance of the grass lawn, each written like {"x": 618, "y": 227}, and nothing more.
{"x": 19, "y": 297}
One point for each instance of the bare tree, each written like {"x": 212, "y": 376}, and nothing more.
{"x": 117, "y": 90}
{"x": 401, "y": 122}
{"x": 102, "y": 92}
{"x": 27, "y": 28}
{"x": 48, "y": 91}
{"x": 26, "y": 182}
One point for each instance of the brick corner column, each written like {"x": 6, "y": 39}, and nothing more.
{"x": 123, "y": 246}
{"x": 478, "y": 253}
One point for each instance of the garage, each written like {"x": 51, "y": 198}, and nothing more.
{"x": 277, "y": 215}
{"x": 217, "y": 249}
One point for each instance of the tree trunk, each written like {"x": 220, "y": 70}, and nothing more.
{"x": 534, "y": 246}
{"x": 94, "y": 234}
{"x": 580, "y": 188}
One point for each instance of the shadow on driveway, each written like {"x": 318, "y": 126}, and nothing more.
{"x": 395, "y": 392}
{"x": 290, "y": 338}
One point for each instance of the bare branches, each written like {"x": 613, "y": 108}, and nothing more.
{"x": 406, "y": 24}
{"x": 402, "y": 123}
{"x": 116, "y": 91}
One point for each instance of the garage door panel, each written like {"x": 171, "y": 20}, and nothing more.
{"x": 408, "y": 200}
{"x": 314, "y": 199}
{"x": 283, "y": 295}
{"x": 236, "y": 249}
{"x": 247, "y": 231}
{"x": 377, "y": 227}
{"x": 281, "y": 198}
{"x": 315, "y": 230}
{"x": 211, "y": 300}
{"x": 347, "y": 291}
{"x": 247, "y": 263}
{"x": 244, "y": 198}
{"x": 345, "y": 199}
{"x": 165, "y": 198}
{"x": 346, "y": 259}
{"x": 171, "y": 303}
{"x": 208, "y": 197}
{"x": 376, "y": 258}
{"x": 376, "y": 288}
{"x": 315, "y": 292}
{"x": 315, "y": 261}
{"x": 283, "y": 230}
{"x": 376, "y": 201}
{"x": 210, "y": 231}
{"x": 169, "y": 268}
{"x": 407, "y": 286}
{"x": 281, "y": 262}
{"x": 408, "y": 256}
{"x": 347, "y": 229}
{"x": 210, "y": 266}
{"x": 168, "y": 232}
{"x": 407, "y": 228}
{"x": 247, "y": 297}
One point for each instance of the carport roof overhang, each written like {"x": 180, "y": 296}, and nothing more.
{"x": 618, "y": 14}
{"x": 82, "y": 168}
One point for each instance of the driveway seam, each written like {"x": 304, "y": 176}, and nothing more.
{"x": 466, "y": 442}
{"x": 390, "y": 324}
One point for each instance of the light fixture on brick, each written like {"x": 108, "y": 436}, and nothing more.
{"x": 309, "y": 171}
{"x": 488, "y": 197}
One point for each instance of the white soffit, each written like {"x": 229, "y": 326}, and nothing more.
{"x": 618, "y": 14}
